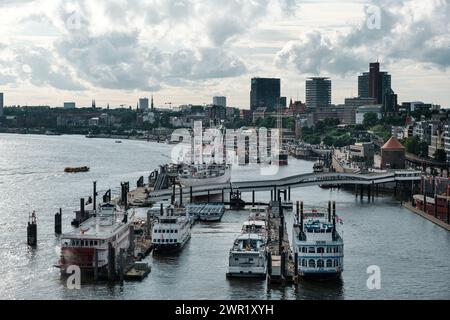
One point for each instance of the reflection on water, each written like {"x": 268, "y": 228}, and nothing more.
{"x": 378, "y": 232}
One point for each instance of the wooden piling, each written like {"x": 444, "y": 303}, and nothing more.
{"x": 296, "y": 265}
{"x": 58, "y": 222}
{"x": 94, "y": 196}
{"x": 301, "y": 215}
{"x": 121, "y": 265}
{"x": 329, "y": 211}
{"x": 95, "y": 265}
{"x": 111, "y": 263}
{"x": 32, "y": 230}
{"x": 435, "y": 206}
{"x": 253, "y": 198}
{"x": 181, "y": 196}
{"x": 82, "y": 211}
{"x": 289, "y": 193}
{"x": 173, "y": 194}
{"x": 191, "y": 194}
{"x": 269, "y": 263}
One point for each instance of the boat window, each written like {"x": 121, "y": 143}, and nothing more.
{"x": 91, "y": 243}
{"x": 320, "y": 263}
{"x": 312, "y": 250}
{"x": 304, "y": 262}
{"x": 312, "y": 263}
{"x": 236, "y": 259}
{"x": 164, "y": 231}
{"x": 156, "y": 231}
{"x": 176, "y": 231}
{"x": 335, "y": 263}
{"x": 320, "y": 250}
{"x": 329, "y": 263}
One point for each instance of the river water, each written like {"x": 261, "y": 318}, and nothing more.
{"x": 412, "y": 253}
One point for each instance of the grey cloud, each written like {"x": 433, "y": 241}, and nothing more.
{"x": 423, "y": 39}
{"x": 119, "y": 61}
{"x": 43, "y": 71}
{"x": 315, "y": 54}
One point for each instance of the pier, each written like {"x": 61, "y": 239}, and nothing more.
{"x": 280, "y": 260}
{"x": 296, "y": 181}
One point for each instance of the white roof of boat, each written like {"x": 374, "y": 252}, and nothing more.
{"x": 95, "y": 228}
{"x": 255, "y": 223}
{"x": 250, "y": 236}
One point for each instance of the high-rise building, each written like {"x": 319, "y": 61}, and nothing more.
{"x": 1, "y": 104}
{"x": 220, "y": 101}
{"x": 143, "y": 104}
{"x": 318, "y": 92}
{"x": 265, "y": 93}
{"x": 447, "y": 140}
{"x": 390, "y": 103}
{"x": 374, "y": 84}
{"x": 69, "y": 105}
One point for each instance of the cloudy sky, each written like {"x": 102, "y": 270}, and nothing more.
{"x": 186, "y": 51}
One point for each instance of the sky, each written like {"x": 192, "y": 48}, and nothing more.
{"x": 187, "y": 51}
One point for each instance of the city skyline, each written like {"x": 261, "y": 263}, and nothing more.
{"x": 55, "y": 51}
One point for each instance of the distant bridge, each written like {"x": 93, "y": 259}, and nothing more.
{"x": 297, "y": 181}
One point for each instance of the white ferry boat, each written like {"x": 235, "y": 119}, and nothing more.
{"x": 201, "y": 175}
{"x": 248, "y": 257}
{"x": 78, "y": 247}
{"x": 319, "y": 245}
{"x": 172, "y": 230}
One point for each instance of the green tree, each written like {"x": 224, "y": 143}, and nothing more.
{"x": 370, "y": 120}
{"x": 440, "y": 155}
{"x": 328, "y": 141}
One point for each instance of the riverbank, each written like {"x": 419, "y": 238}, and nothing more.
{"x": 426, "y": 216}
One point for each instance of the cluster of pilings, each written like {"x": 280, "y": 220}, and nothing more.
{"x": 275, "y": 194}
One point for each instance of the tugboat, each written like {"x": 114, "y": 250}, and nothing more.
{"x": 319, "y": 244}
{"x": 110, "y": 225}
{"x": 172, "y": 230}
{"x": 76, "y": 169}
{"x": 318, "y": 167}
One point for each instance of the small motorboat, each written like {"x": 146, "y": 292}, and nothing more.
{"x": 76, "y": 170}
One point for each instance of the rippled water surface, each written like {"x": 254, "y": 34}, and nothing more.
{"x": 413, "y": 254}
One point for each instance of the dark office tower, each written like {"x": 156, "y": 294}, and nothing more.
{"x": 265, "y": 93}
{"x": 390, "y": 105}
{"x": 363, "y": 85}
{"x": 374, "y": 84}
{"x": 318, "y": 92}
